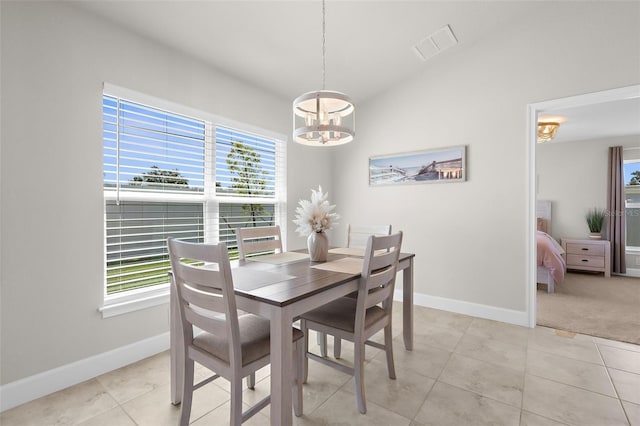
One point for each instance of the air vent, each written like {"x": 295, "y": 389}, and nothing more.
{"x": 435, "y": 43}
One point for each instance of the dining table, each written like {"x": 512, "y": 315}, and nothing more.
{"x": 281, "y": 287}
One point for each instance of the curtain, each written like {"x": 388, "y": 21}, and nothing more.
{"x": 616, "y": 210}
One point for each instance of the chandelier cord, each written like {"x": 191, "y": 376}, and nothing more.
{"x": 324, "y": 47}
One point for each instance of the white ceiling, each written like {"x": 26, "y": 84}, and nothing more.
{"x": 598, "y": 121}
{"x": 277, "y": 45}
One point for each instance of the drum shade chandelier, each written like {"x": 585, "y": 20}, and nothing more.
{"x": 323, "y": 117}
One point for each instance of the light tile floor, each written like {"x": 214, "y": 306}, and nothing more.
{"x": 462, "y": 371}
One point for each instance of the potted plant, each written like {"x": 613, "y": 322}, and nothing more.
{"x": 595, "y": 220}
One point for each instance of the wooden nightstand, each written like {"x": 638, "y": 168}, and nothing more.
{"x": 588, "y": 255}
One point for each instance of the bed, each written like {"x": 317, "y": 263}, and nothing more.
{"x": 551, "y": 263}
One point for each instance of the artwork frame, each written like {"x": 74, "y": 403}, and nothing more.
{"x": 439, "y": 165}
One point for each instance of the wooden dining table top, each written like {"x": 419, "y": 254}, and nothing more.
{"x": 286, "y": 283}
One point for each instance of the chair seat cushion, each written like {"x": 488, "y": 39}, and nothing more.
{"x": 254, "y": 340}
{"x": 341, "y": 314}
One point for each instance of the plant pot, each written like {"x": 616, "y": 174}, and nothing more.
{"x": 318, "y": 245}
{"x": 595, "y": 235}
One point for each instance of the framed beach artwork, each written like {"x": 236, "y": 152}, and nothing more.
{"x": 431, "y": 166}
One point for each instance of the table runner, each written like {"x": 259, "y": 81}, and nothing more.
{"x": 347, "y": 265}
{"x": 280, "y": 258}
{"x": 349, "y": 251}
{"x": 249, "y": 279}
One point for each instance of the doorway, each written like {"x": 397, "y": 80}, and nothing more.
{"x": 547, "y": 107}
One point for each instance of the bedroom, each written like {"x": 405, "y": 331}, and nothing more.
{"x": 56, "y": 56}
{"x": 571, "y": 173}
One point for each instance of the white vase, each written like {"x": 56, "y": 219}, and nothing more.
{"x": 318, "y": 245}
{"x": 595, "y": 235}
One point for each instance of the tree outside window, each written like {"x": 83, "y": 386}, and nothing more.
{"x": 249, "y": 180}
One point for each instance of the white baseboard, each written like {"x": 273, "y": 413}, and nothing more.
{"x": 39, "y": 385}
{"x": 36, "y": 386}
{"x": 467, "y": 308}
{"x": 632, "y": 272}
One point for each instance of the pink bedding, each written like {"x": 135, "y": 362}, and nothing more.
{"x": 550, "y": 256}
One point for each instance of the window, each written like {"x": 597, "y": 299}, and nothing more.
{"x": 173, "y": 172}
{"x": 632, "y": 202}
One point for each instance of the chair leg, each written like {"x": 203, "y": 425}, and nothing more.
{"x": 236, "y": 402}
{"x": 358, "y": 370}
{"x": 337, "y": 347}
{"x": 388, "y": 345}
{"x": 298, "y": 353}
{"x": 187, "y": 393}
{"x": 251, "y": 381}
{"x": 305, "y": 349}
{"x": 322, "y": 341}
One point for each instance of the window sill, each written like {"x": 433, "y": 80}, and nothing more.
{"x": 135, "y": 300}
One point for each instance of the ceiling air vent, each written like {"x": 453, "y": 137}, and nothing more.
{"x": 435, "y": 43}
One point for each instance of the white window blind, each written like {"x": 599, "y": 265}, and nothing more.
{"x": 148, "y": 149}
{"x": 247, "y": 167}
{"x": 172, "y": 175}
{"x": 149, "y": 154}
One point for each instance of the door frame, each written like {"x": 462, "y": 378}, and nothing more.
{"x": 533, "y": 110}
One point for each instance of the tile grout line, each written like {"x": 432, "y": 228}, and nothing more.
{"x": 452, "y": 352}
{"x": 524, "y": 377}
{"x": 576, "y": 387}
{"x": 615, "y": 389}
{"x": 436, "y": 380}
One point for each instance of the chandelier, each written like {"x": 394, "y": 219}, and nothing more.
{"x": 323, "y": 117}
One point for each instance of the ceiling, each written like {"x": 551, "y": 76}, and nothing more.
{"x": 597, "y": 121}
{"x": 277, "y": 45}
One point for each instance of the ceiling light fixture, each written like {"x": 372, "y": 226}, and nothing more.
{"x": 547, "y": 131}
{"x": 323, "y": 117}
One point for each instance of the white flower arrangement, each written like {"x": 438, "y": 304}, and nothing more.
{"x": 315, "y": 215}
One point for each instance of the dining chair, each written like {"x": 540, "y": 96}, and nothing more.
{"x": 357, "y": 236}
{"x": 261, "y": 239}
{"x": 232, "y": 346}
{"x": 358, "y": 319}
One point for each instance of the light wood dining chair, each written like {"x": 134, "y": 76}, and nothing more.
{"x": 357, "y": 236}
{"x": 232, "y": 346}
{"x": 261, "y": 239}
{"x": 358, "y": 319}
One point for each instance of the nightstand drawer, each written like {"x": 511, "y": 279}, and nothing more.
{"x": 588, "y": 255}
{"x": 580, "y": 261}
{"x": 586, "y": 249}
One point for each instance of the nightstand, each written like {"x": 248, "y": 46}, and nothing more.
{"x": 588, "y": 255}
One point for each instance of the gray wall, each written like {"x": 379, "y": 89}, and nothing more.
{"x": 54, "y": 61}
{"x": 470, "y": 238}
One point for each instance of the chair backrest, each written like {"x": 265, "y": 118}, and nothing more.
{"x": 262, "y": 239}
{"x": 203, "y": 284}
{"x": 357, "y": 235}
{"x": 378, "y": 274}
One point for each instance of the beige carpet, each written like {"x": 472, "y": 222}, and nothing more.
{"x": 591, "y": 304}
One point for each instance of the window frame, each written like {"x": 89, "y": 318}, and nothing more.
{"x": 631, "y": 205}
{"x": 141, "y": 298}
